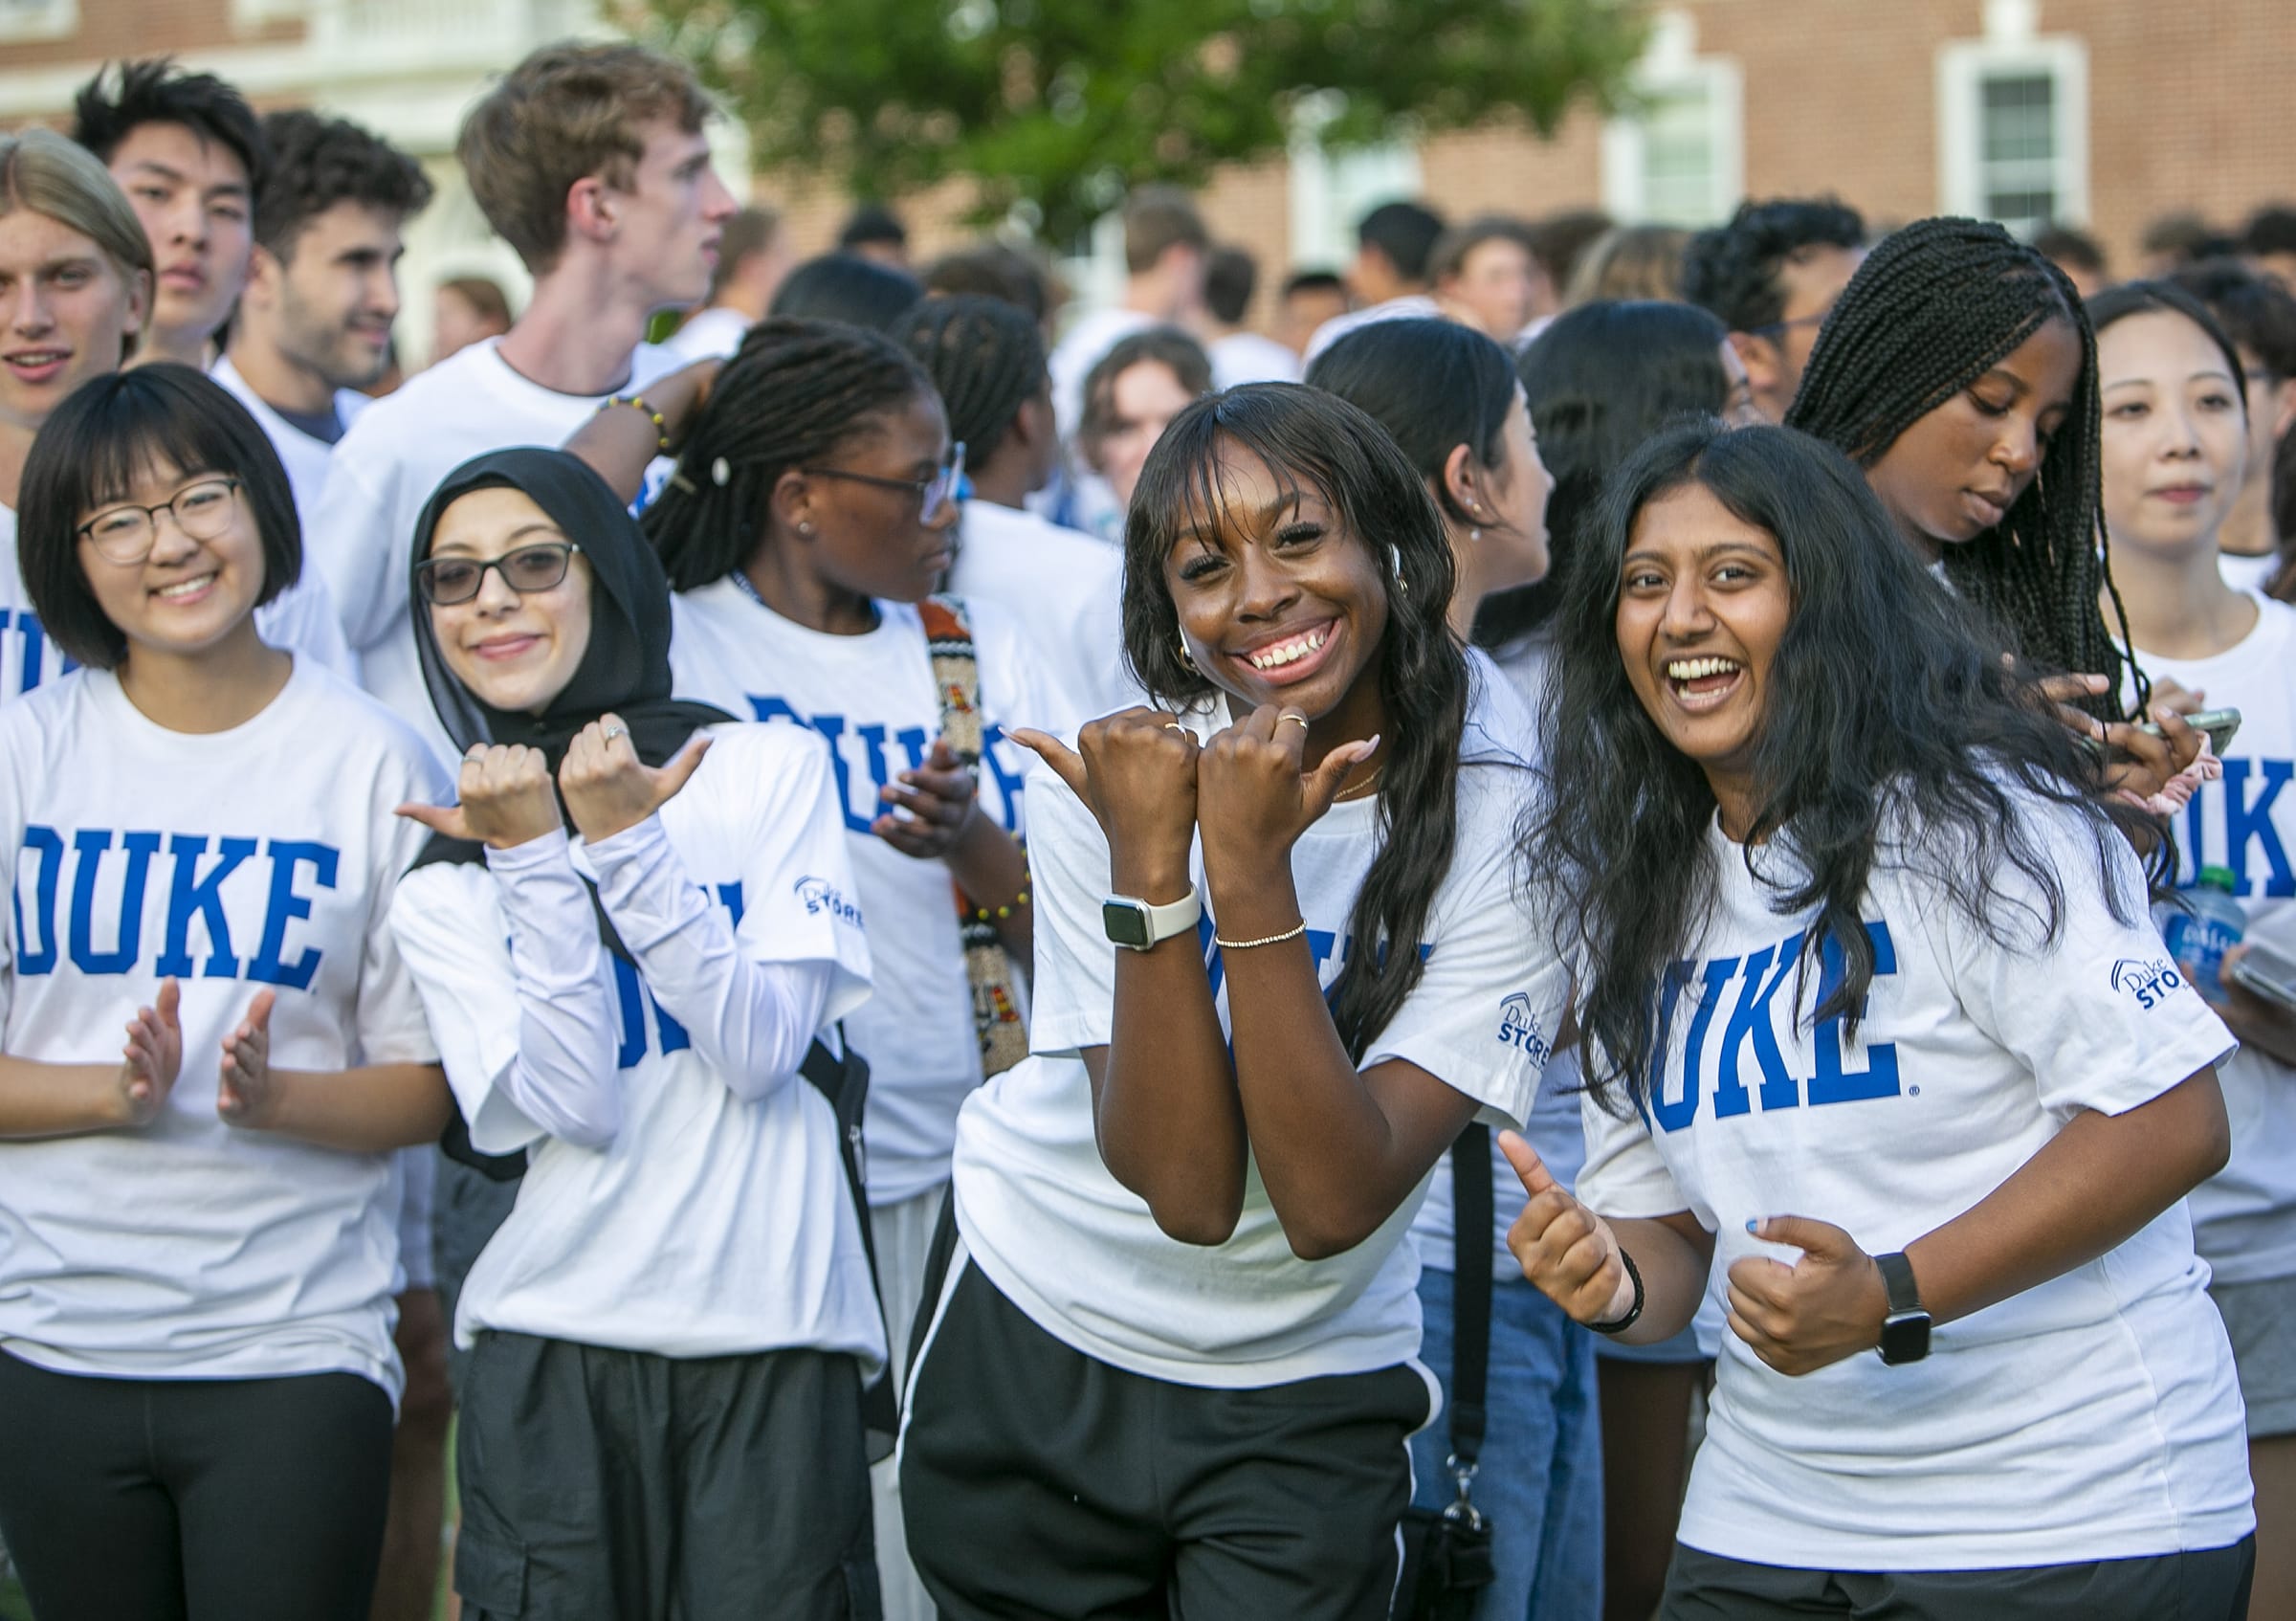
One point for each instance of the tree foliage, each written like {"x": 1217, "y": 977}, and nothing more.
{"x": 1051, "y": 107}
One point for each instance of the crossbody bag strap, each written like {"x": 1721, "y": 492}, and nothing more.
{"x": 1472, "y": 1220}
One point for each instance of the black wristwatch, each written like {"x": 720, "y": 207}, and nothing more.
{"x": 1906, "y": 1330}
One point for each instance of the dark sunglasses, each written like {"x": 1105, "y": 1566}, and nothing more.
{"x": 444, "y": 581}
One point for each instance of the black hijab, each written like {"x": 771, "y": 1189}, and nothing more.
{"x": 626, "y": 667}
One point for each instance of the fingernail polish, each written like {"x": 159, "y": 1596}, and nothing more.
{"x": 1754, "y": 1226}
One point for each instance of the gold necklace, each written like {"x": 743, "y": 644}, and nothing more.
{"x": 1361, "y": 788}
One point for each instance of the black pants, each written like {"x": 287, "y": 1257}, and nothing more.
{"x": 2210, "y": 1585}
{"x": 1038, "y": 1481}
{"x": 609, "y": 1486}
{"x": 193, "y": 1500}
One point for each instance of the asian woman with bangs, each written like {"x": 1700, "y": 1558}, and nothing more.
{"x": 198, "y": 1249}
{"x": 1281, "y": 962}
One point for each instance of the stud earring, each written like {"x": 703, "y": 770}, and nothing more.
{"x": 805, "y": 526}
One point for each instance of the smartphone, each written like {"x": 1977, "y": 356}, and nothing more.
{"x": 2218, "y": 724}
{"x": 2266, "y": 972}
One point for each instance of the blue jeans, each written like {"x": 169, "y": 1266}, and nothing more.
{"x": 1540, "y": 1481}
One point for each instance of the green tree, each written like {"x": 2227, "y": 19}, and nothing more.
{"x": 1053, "y": 108}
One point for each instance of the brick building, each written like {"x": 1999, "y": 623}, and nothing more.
{"x": 2105, "y": 113}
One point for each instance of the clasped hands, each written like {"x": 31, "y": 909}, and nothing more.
{"x": 504, "y": 795}
{"x": 1798, "y": 1317}
{"x": 1149, "y": 783}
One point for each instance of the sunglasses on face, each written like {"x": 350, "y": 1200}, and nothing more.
{"x": 444, "y": 581}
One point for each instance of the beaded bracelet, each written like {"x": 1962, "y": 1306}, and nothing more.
{"x": 1293, "y": 933}
{"x": 999, "y": 914}
{"x": 637, "y": 403}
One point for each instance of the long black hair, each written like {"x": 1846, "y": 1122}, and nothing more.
{"x": 1433, "y": 385}
{"x": 1895, "y": 735}
{"x": 1598, "y": 381}
{"x": 1307, "y": 437}
{"x": 1934, "y": 307}
{"x": 794, "y": 393}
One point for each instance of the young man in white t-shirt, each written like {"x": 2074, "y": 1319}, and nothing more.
{"x": 1165, "y": 246}
{"x": 987, "y": 358}
{"x": 609, "y": 241}
{"x": 323, "y": 288}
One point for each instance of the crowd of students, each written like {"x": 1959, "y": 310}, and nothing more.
{"x": 932, "y": 971}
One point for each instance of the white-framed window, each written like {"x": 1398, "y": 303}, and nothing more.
{"x": 39, "y": 19}
{"x": 1332, "y": 191}
{"x": 2013, "y": 125}
{"x": 1679, "y": 158}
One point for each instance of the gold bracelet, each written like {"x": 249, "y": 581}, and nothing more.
{"x": 637, "y": 403}
{"x": 1293, "y": 933}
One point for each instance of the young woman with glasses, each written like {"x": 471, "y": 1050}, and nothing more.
{"x": 620, "y": 938}
{"x": 811, "y": 516}
{"x": 197, "y": 1226}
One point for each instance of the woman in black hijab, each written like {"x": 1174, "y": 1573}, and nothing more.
{"x": 625, "y": 933}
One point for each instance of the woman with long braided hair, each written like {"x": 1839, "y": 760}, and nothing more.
{"x": 807, "y": 524}
{"x": 1959, "y": 370}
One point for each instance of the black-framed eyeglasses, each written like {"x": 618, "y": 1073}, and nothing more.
{"x": 126, "y": 534}
{"x": 444, "y": 581}
{"x": 935, "y": 495}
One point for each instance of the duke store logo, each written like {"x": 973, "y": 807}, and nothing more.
{"x": 822, "y": 895}
{"x": 2151, "y": 983}
{"x": 1518, "y": 1027}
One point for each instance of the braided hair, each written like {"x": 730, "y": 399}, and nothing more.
{"x": 793, "y": 393}
{"x": 1932, "y": 308}
{"x": 985, "y": 355}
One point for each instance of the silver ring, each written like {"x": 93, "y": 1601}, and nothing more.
{"x": 612, "y": 732}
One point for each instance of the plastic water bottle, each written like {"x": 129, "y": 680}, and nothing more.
{"x": 2208, "y": 924}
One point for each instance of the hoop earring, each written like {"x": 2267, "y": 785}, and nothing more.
{"x": 1395, "y": 560}
{"x": 1180, "y": 642}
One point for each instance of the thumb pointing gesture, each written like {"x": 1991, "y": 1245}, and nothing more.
{"x": 1827, "y": 1305}
{"x": 1066, "y": 763}
{"x": 1320, "y": 788}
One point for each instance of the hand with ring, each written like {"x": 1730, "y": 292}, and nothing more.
{"x": 1135, "y": 772}
{"x": 609, "y": 788}
{"x": 504, "y": 798}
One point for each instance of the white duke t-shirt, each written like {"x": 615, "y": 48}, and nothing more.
{"x": 709, "y": 1224}
{"x": 259, "y": 857}
{"x": 1081, "y": 1254}
{"x": 2094, "y": 1417}
{"x": 2244, "y": 1216}
{"x": 382, "y": 474}
{"x": 1066, "y": 589}
{"x": 872, "y": 697}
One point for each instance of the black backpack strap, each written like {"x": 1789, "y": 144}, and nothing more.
{"x": 1472, "y": 1219}
{"x": 845, "y": 1082}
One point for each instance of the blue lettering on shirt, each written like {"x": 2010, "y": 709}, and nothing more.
{"x": 868, "y": 754}
{"x": 32, "y": 659}
{"x": 1752, "y": 1027}
{"x": 661, "y": 1033}
{"x": 191, "y": 870}
{"x": 2246, "y": 841}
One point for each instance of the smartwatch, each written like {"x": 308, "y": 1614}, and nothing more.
{"x": 1140, "y": 925}
{"x": 1906, "y": 1330}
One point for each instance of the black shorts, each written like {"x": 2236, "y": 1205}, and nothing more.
{"x": 1039, "y": 1481}
{"x": 2210, "y": 1585}
{"x": 609, "y": 1486}
{"x": 193, "y": 1500}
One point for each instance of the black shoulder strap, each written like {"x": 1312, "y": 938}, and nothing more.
{"x": 1472, "y": 1220}
{"x": 845, "y": 1082}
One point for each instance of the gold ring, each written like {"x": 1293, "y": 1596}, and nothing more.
{"x": 1289, "y": 716}
{"x": 1173, "y": 726}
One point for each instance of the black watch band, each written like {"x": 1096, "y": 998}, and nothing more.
{"x": 1906, "y": 1330}
{"x": 1634, "y": 1311}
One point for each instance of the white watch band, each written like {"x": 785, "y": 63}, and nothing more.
{"x": 1141, "y": 925}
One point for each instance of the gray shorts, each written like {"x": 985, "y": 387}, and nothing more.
{"x": 2261, "y": 1320}
{"x": 2207, "y": 1586}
